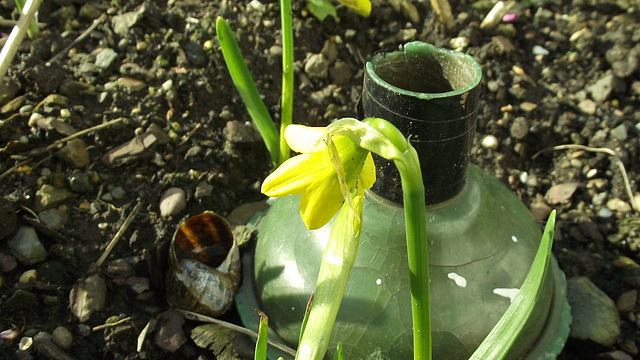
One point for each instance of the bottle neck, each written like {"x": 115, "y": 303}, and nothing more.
{"x": 431, "y": 95}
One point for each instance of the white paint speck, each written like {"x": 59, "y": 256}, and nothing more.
{"x": 459, "y": 280}
{"x": 379, "y": 281}
{"x": 508, "y": 293}
{"x": 514, "y": 238}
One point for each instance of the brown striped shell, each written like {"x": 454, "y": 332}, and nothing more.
{"x": 204, "y": 265}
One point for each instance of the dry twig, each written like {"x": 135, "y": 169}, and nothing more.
{"x": 80, "y": 133}
{"x": 608, "y": 151}
{"x": 116, "y": 238}
{"x": 57, "y": 143}
{"x": 113, "y": 324}
{"x": 75, "y": 42}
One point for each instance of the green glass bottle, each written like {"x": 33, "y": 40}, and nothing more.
{"x": 482, "y": 239}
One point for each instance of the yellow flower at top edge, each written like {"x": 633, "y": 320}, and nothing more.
{"x": 362, "y": 7}
{"x": 313, "y": 174}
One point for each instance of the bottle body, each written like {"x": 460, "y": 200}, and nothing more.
{"x": 481, "y": 246}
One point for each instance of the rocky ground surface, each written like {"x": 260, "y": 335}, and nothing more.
{"x": 177, "y": 141}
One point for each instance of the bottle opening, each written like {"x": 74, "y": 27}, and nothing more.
{"x": 423, "y": 70}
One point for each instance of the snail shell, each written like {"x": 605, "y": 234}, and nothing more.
{"x": 204, "y": 265}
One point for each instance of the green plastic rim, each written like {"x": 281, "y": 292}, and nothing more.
{"x": 461, "y": 71}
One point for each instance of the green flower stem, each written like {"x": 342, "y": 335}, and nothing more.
{"x": 287, "y": 75}
{"x": 247, "y": 88}
{"x": 406, "y": 160}
{"x": 337, "y": 261}
{"x": 417, "y": 249}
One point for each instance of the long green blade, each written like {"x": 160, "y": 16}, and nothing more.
{"x": 247, "y": 88}
{"x": 499, "y": 341}
{"x": 33, "y": 30}
{"x": 339, "y": 355}
{"x": 261, "y": 344}
{"x": 287, "y": 75}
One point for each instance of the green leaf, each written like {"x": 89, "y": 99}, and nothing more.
{"x": 32, "y": 30}
{"x": 321, "y": 9}
{"x": 261, "y": 343}
{"x": 287, "y": 75}
{"x": 499, "y": 341}
{"x": 247, "y": 88}
{"x": 339, "y": 354}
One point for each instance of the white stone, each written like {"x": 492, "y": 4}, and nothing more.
{"x": 173, "y": 202}
{"x": 489, "y": 142}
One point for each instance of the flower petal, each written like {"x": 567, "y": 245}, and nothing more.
{"x": 368, "y": 174}
{"x": 362, "y": 7}
{"x": 304, "y": 139}
{"x": 294, "y": 175}
{"x": 321, "y": 202}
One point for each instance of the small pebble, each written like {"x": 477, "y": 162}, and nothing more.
{"x": 599, "y": 198}
{"x": 167, "y": 85}
{"x": 79, "y": 182}
{"x": 605, "y": 213}
{"x": 173, "y": 202}
{"x": 619, "y": 132}
{"x": 53, "y": 218}
{"x": 25, "y": 343}
{"x": 84, "y": 330}
{"x": 539, "y": 50}
{"x": 592, "y": 173}
{"x": 459, "y": 43}
{"x": 618, "y": 205}
{"x": 33, "y": 119}
{"x": 627, "y": 301}
{"x": 87, "y": 297}
{"x": 139, "y": 284}
{"x": 62, "y": 337}
{"x": 528, "y": 106}
{"x": 26, "y": 246}
{"x": 524, "y": 176}
{"x": 75, "y": 153}
{"x": 25, "y": 109}
{"x": 118, "y": 192}
{"x": 587, "y": 106}
{"x": 65, "y": 113}
{"x": 561, "y": 192}
{"x": 489, "y": 142}
{"x": 7, "y": 263}
{"x": 28, "y": 275}
{"x": 9, "y": 334}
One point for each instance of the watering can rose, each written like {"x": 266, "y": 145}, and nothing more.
{"x": 323, "y": 180}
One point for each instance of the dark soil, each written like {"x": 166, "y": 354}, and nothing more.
{"x": 539, "y": 73}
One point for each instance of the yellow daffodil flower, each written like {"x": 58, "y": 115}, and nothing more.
{"x": 328, "y": 167}
{"x": 362, "y": 7}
